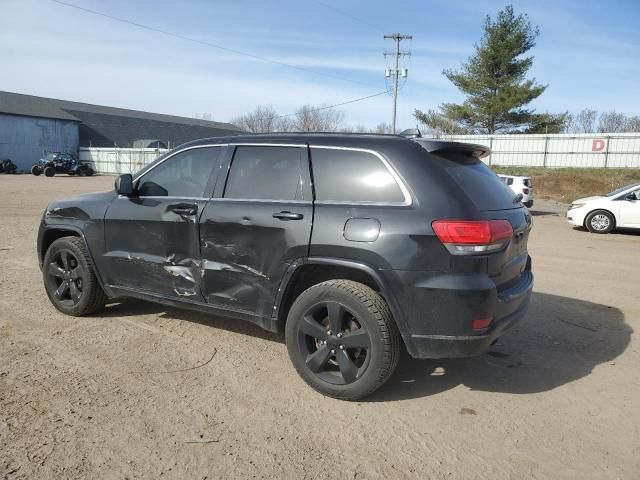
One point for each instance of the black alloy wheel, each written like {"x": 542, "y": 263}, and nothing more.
{"x": 342, "y": 339}
{"x": 69, "y": 278}
{"x": 334, "y": 343}
{"x": 65, "y": 278}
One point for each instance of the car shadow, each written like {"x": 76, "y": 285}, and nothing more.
{"x": 561, "y": 340}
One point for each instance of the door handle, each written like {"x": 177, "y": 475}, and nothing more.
{"x": 187, "y": 209}
{"x": 288, "y": 216}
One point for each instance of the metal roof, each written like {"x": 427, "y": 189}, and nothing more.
{"x": 32, "y": 106}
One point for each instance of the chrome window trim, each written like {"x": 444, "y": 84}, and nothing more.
{"x": 260, "y": 200}
{"x": 403, "y": 188}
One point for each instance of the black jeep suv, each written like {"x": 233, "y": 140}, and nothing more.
{"x": 353, "y": 245}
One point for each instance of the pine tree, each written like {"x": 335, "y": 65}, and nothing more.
{"x": 493, "y": 80}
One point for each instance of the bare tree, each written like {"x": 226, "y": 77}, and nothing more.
{"x": 583, "y": 122}
{"x": 633, "y": 124}
{"x": 612, "y": 122}
{"x": 263, "y": 119}
{"x": 310, "y": 118}
{"x": 382, "y": 127}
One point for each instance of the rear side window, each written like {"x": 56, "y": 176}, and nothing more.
{"x": 482, "y": 186}
{"x": 353, "y": 177}
{"x": 527, "y": 182}
{"x": 265, "y": 173}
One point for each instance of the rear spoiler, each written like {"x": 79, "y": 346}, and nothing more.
{"x": 435, "y": 146}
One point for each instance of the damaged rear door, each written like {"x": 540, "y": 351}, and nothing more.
{"x": 151, "y": 238}
{"x": 256, "y": 226}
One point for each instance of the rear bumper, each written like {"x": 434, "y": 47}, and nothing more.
{"x": 437, "y": 311}
{"x": 443, "y": 346}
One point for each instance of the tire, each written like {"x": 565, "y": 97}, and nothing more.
{"x": 49, "y": 171}
{"x": 528, "y": 204}
{"x": 35, "y": 170}
{"x": 67, "y": 262}
{"x": 90, "y": 171}
{"x": 600, "y": 221}
{"x": 360, "y": 357}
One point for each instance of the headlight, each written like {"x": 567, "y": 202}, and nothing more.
{"x": 576, "y": 205}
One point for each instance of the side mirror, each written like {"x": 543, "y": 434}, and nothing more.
{"x": 631, "y": 196}
{"x": 124, "y": 184}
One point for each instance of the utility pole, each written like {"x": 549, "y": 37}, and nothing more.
{"x": 396, "y": 37}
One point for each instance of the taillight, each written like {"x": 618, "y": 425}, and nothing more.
{"x": 463, "y": 237}
{"x": 480, "y": 325}
{"x": 525, "y": 191}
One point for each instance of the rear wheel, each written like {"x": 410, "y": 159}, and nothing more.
{"x": 49, "y": 171}
{"x": 35, "y": 170}
{"x": 342, "y": 339}
{"x": 600, "y": 221}
{"x": 69, "y": 278}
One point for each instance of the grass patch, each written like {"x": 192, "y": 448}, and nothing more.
{"x": 567, "y": 184}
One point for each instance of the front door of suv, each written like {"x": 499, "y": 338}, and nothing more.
{"x": 151, "y": 238}
{"x": 256, "y": 226}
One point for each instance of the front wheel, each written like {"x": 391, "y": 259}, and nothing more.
{"x": 342, "y": 339}
{"x": 69, "y": 278}
{"x": 49, "y": 171}
{"x": 35, "y": 170}
{"x": 600, "y": 221}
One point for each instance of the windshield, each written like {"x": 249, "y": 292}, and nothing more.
{"x": 50, "y": 156}
{"x": 621, "y": 189}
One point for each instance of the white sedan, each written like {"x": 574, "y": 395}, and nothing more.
{"x": 601, "y": 214}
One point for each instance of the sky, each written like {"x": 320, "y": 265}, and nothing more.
{"x": 588, "y": 52}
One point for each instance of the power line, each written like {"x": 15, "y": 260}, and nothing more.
{"x": 326, "y": 107}
{"x": 208, "y": 44}
{"x": 347, "y": 14}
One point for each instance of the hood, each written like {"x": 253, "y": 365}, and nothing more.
{"x": 588, "y": 199}
{"x": 82, "y": 207}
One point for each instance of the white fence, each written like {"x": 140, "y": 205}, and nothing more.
{"x": 119, "y": 160}
{"x": 550, "y": 151}
{"x": 602, "y": 150}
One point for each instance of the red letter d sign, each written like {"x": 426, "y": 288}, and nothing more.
{"x": 597, "y": 145}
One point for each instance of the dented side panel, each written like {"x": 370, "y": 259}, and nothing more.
{"x": 150, "y": 246}
{"x": 246, "y": 251}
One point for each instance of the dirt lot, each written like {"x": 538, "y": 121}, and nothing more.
{"x": 144, "y": 391}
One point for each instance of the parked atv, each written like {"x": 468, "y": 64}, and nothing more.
{"x": 56, "y": 162}
{"x": 7, "y": 166}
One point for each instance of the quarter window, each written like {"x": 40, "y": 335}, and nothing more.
{"x": 353, "y": 176}
{"x": 185, "y": 174}
{"x": 265, "y": 173}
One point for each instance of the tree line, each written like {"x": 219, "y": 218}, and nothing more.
{"x": 307, "y": 118}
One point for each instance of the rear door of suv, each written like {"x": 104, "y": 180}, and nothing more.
{"x": 257, "y": 224}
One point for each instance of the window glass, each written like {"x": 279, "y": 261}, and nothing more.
{"x": 185, "y": 174}
{"x": 477, "y": 180}
{"x": 353, "y": 176}
{"x": 265, "y": 173}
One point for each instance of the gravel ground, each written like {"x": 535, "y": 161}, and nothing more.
{"x": 141, "y": 390}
